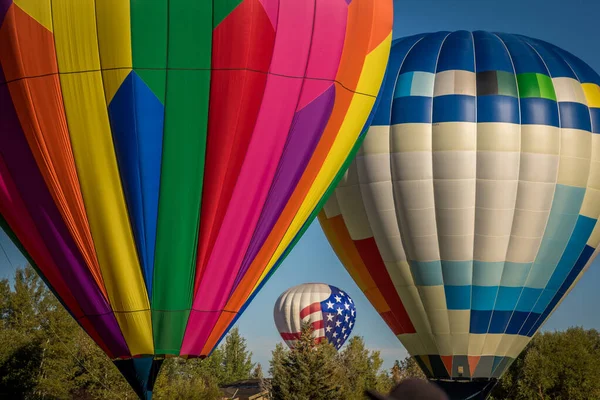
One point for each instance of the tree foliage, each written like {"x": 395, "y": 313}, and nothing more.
{"x": 362, "y": 370}
{"x": 46, "y": 355}
{"x": 237, "y": 360}
{"x": 406, "y": 368}
{"x": 557, "y": 366}
{"x": 258, "y": 372}
{"x": 310, "y": 371}
{"x": 318, "y": 371}
{"x": 191, "y": 379}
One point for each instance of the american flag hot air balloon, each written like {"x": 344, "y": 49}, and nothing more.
{"x": 329, "y": 311}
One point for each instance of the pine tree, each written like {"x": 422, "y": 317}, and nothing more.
{"x": 396, "y": 372}
{"x": 362, "y": 369}
{"x": 237, "y": 360}
{"x": 407, "y": 368}
{"x": 280, "y": 378}
{"x": 181, "y": 380}
{"x": 309, "y": 371}
{"x": 257, "y": 373}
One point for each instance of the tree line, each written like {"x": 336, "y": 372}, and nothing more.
{"x": 45, "y": 355}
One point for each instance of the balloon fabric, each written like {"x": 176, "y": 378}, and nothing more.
{"x": 329, "y": 311}
{"x": 158, "y": 159}
{"x": 471, "y": 209}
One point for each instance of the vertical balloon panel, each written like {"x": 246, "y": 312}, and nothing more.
{"x": 183, "y": 163}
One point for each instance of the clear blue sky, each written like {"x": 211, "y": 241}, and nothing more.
{"x": 572, "y": 25}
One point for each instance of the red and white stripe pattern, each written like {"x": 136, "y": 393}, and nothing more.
{"x": 313, "y": 315}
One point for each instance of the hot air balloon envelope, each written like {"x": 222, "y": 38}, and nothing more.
{"x": 159, "y": 158}
{"x": 330, "y": 312}
{"x": 471, "y": 209}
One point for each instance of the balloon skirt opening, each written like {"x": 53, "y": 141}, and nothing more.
{"x": 467, "y": 390}
{"x": 141, "y": 374}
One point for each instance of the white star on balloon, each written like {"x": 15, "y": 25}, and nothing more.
{"x": 338, "y": 323}
{"x": 338, "y": 299}
{"x": 328, "y": 328}
{"x": 339, "y": 311}
{"x": 347, "y": 306}
{"x": 329, "y": 317}
{"x": 343, "y": 329}
{"x": 346, "y": 318}
{"x": 329, "y": 304}
{"x": 334, "y": 334}
{"x": 352, "y": 312}
{"x": 351, "y": 324}
{"x": 350, "y": 300}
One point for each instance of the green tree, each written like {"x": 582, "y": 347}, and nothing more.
{"x": 277, "y": 369}
{"x": 5, "y": 295}
{"x": 212, "y": 366}
{"x": 557, "y": 366}
{"x": 308, "y": 372}
{"x": 258, "y": 372}
{"x": 362, "y": 370}
{"x": 181, "y": 380}
{"x": 25, "y": 315}
{"x": 406, "y": 368}
{"x": 237, "y": 360}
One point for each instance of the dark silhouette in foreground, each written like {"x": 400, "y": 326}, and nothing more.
{"x": 412, "y": 388}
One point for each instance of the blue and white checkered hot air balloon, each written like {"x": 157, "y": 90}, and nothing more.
{"x": 471, "y": 209}
{"x": 330, "y": 311}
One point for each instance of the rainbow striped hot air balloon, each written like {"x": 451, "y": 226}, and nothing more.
{"x": 159, "y": 158}
{"x": 471, "y": 209}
